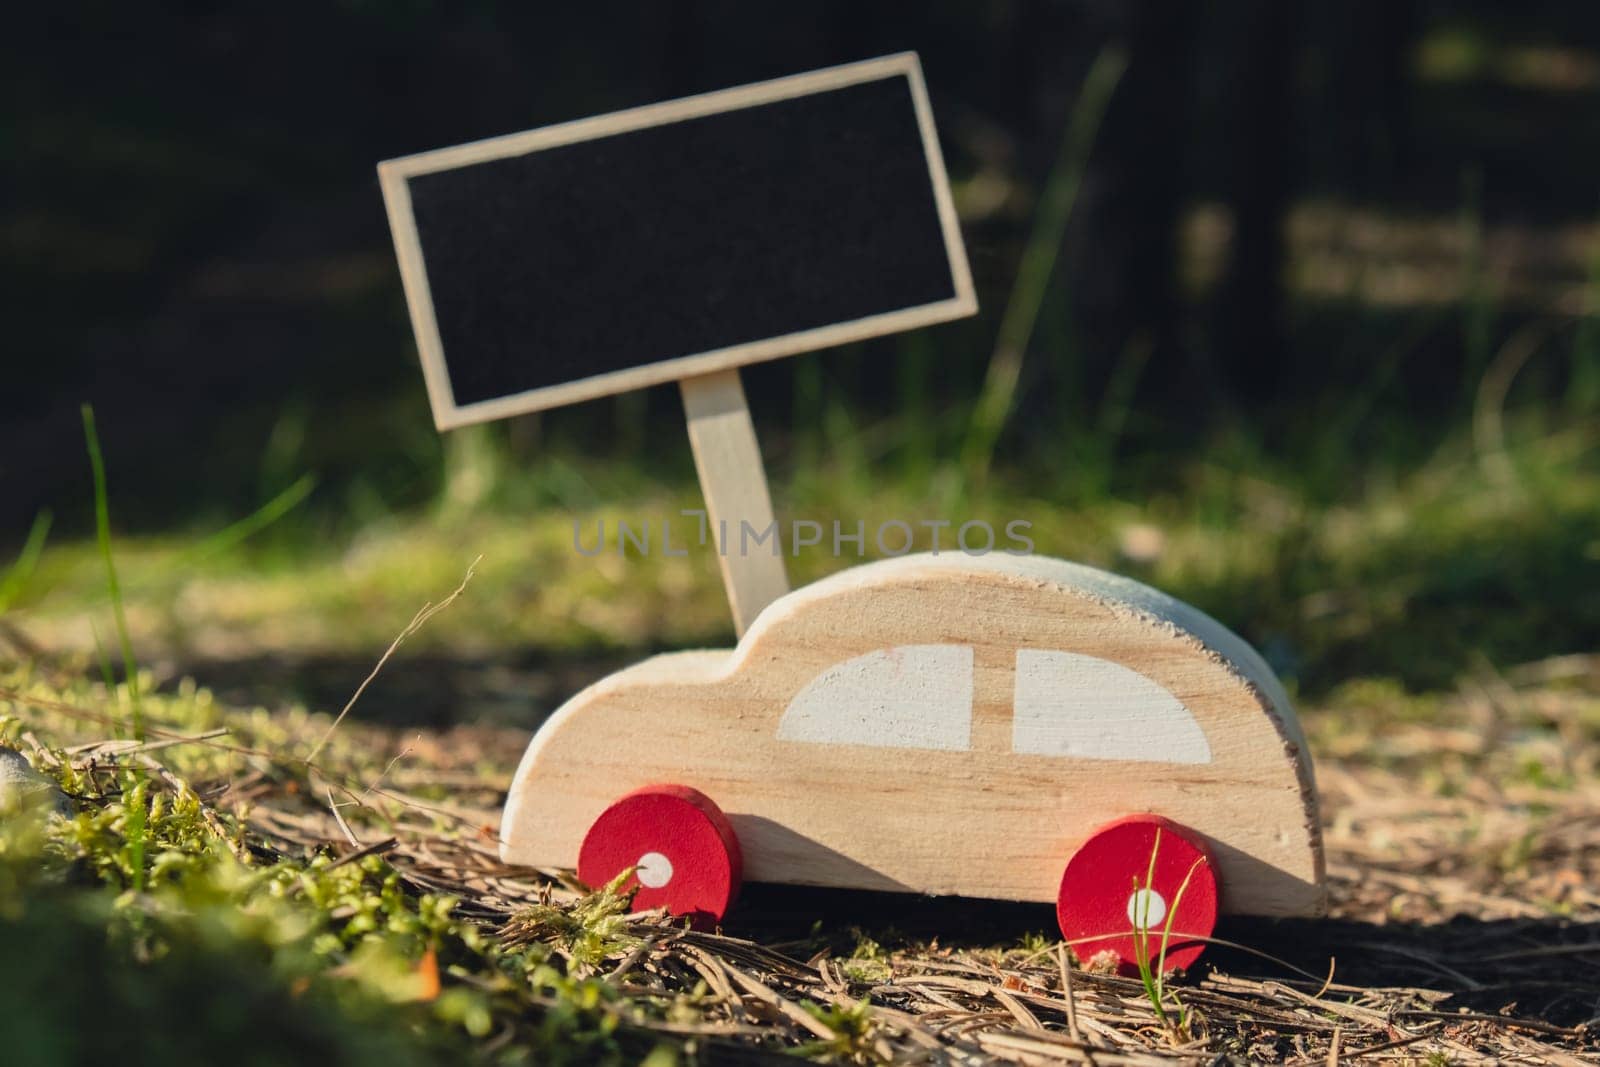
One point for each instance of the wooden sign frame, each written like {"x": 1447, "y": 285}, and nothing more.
{"x": 448, "y": 414}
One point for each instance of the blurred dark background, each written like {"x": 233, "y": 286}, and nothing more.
{"x": 1296, "y": 222}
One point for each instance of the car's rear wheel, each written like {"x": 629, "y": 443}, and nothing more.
{"x": 1139, "y": 887}
{"x": 682, "y": 849}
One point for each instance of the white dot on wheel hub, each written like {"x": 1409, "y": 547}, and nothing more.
{"x": 1146, "y": 908}
{"x": 655, "y": 871}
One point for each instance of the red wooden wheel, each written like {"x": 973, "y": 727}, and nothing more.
{"x": 1108, "y": 892}
{"x": 685, "y": 853}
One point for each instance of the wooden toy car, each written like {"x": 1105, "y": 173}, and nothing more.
{"x": 1005, "y": 727}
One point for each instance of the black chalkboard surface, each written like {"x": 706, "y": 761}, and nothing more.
{"x": 674, "y": 240}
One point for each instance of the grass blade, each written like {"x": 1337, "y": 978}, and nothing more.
{"x": 19, "y": 572}
{"x": 1166, "y": 930}
{"x": 994, "y": 403}
{"x": 102, "y": 522}
{"x": 256, "y": 521}
{"x": 1141, "y": 933}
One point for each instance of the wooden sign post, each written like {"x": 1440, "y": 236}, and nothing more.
{"x": 678, "y": 242}
{"x": 728, "y": 461}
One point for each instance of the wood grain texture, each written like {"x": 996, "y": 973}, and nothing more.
{"x": 728, "y": 460}
{"x": 982, "y": 822}
{"x": 394, "y": 175}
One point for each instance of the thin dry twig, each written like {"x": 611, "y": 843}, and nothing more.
{"x": 418, "y": 621}
{"x": 403, "y": 753}
{"x": 344, "y": 827}
{"x": 1066, "y": 993}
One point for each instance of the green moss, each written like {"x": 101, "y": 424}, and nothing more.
{"x": 196, "y": 947}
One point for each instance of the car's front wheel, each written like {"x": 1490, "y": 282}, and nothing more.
{"x": 683, "y": 852}
{"x": 1141, "y": 889}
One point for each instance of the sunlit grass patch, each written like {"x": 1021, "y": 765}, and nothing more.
{"x": 1404, "y": 574}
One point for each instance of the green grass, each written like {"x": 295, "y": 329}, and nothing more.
{"x": 21, "y": 569}
{"x": 102, "y": 525}
{"x": 1413, "y": 573}
{"x": 1151, "y": 959}
{"x": 1028, "y": 291}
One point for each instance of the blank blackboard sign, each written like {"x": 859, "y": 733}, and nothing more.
{"x": 675, "y": 240}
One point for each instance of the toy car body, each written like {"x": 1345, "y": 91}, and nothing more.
{"x": 949, "y": 724}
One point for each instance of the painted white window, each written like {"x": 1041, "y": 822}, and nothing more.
{"x": 912, "y": 696}
{"x": 1069, "y": 704}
